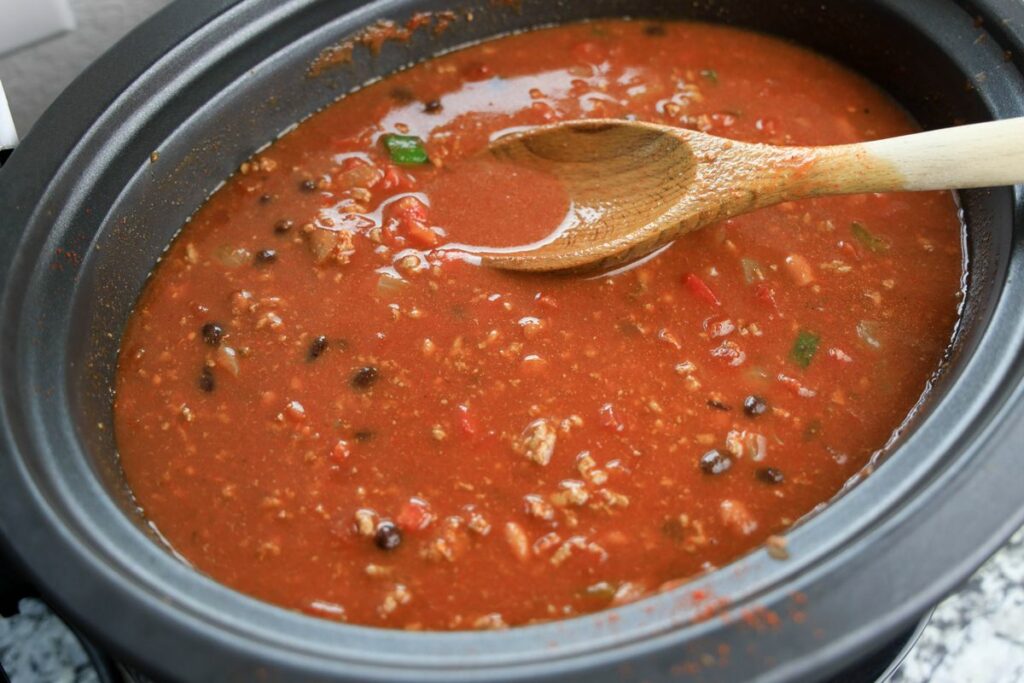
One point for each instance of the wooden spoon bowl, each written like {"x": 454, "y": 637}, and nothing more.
{"x": 636, "y": 186}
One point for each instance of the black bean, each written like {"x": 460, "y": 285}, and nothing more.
{"x": 265, "y": 256}
{"x": 363, "y": 435}
{"x": 266, "y": 198}
{"x": 317, "y": 347}
{"x": 654, "y": 30}
{"x": 715, "y": 462}
{"x": 364, "y": 377}
{"x": 308, "y": 185}
{"x": 388, "y": 537}
{"x": 206, "y": 382}
{"x": 754, "y": 405}
{"x": 282, "y": 226}
{"x": 432, "y": 107}
{"x": 212, "y": 334}
{"x": 770, "y": 475}
{"x": 717, "y": 405}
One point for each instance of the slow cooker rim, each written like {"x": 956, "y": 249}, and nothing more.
{"x": 41, "y": 144}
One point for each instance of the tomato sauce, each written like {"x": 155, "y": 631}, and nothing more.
{"x": 321, "y": 405}
{"x": 521, "y": 205}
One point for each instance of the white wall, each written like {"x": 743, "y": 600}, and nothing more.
{"x": 35, "y": 75}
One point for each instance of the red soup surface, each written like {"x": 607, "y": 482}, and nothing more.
{"x": 319, "y": 405}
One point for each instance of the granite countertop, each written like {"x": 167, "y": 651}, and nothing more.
{"x": 975, "y": 636}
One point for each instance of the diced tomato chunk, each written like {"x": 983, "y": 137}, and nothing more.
{"x": 294, "y": 411}
{"x": 414, "y": 515}
{"x": 701, "y": 290}
{"x": 765, "y": 293}
{"x": 421, "y": 234}
{"x": 341, "y": 451}
{"x": 391, "y": 178}
{"x": 411, "y": 215}
{"x": 395, "y": 179}
{"x": 410, "y": 208}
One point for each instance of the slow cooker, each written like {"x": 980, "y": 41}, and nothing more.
{"x": 114, "y": 168}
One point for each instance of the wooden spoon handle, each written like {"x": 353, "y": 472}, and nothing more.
{"x": 978, "y": 155}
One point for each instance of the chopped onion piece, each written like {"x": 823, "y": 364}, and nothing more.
{"x": 227, "y": 358}
{"x": 232, "y": 257}
{"x": 867, "y": 330}
{"x": 389, "y": 284}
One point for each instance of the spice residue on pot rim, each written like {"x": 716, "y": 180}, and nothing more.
{"x": 374, "y": 36}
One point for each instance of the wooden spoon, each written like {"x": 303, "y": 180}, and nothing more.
{"x": 636, "y": 186}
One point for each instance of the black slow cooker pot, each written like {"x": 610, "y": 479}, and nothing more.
{"x": 87, "y": 208}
